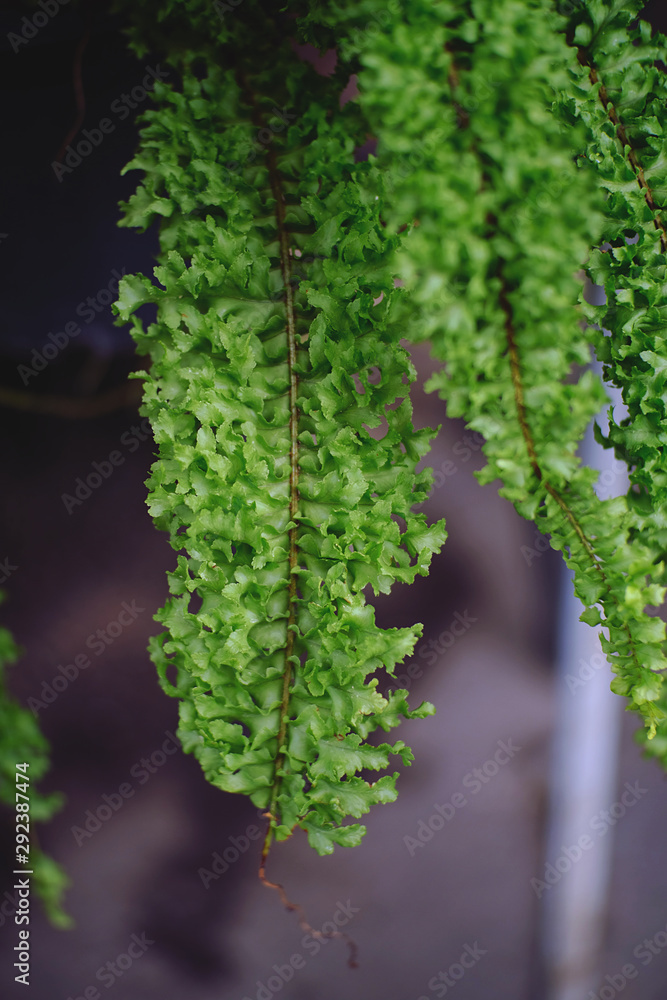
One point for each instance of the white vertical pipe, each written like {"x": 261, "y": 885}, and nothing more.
{"x": 584, "y": 778}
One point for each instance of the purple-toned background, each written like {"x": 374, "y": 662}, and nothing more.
{"x": 413, "y": 911}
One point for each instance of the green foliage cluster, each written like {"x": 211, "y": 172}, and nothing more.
{"x": 515, "y": 149}
{"x": 21, "y": 741}
{"x": 621, "y": 103}
{"x": 508, "y": 114}
{"x": 494, "y": 179}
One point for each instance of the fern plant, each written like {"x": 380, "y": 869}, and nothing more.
{"x": 509, "y": 94}
{"x": 275, "y": 354}
{"x": 279, "y": 267}
{"x": 516, "y": 147}
{"x": 621, "y": 102}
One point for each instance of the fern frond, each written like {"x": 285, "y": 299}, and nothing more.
{"x": 22, "y": 742}
{"x": 621, "y": 102}
{"x": 275, "y": 356}
{"x": 504, "y": 221}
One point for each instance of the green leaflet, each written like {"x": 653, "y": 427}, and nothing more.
{"x": 460, "y": 97}
{"x": 276, "y": 348}
{"x": 621, "y": 102}
{"x": 21, "y": 741}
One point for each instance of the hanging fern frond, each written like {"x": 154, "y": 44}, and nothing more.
{"x": 621, "y": 100}
{"x": 22, "y": 742}
{"x": 278, "y": 396}
{"x": 504, "y": 220}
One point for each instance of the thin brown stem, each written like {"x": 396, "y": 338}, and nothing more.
{"x": 515, "y": 366}
{"x": 517, "y": 383}
{"x": 291, "y": 334}
{"x": 285, "y": 266}
{"x": 303, "y": 923}
{"x": 631, "y": 154}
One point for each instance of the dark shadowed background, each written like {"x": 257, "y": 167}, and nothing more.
{"x": 173, "y": 863}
